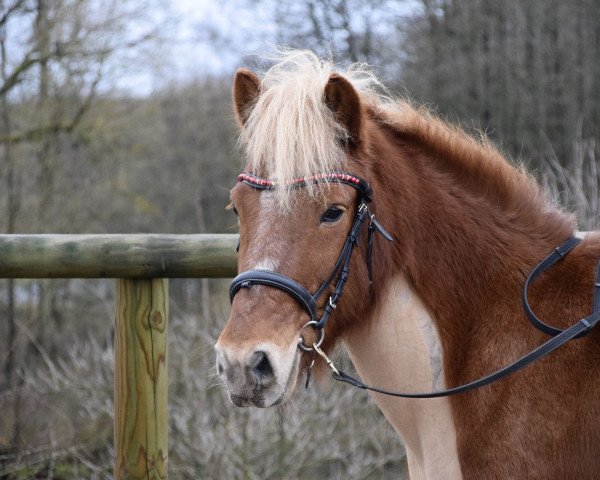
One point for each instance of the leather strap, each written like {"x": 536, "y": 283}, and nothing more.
{"x": 582, "y": 327}
{"x": 274, "y": 279}
{"x": 337, "y": 177}
{"x": 374, "y": 227}
{"x": 596, "y": 303}
{"x": 557, "y": 255}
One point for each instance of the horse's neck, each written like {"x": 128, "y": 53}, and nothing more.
{"x": 455, "y": 211}
{"x": 464, "y": 253}
{"x": 465, "y": 247}
{"x": 400, "y": 350}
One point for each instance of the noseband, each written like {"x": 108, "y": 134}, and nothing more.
{"x": 341, "y": 270}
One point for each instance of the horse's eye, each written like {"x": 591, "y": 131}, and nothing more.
{"x": 332, "y": 214}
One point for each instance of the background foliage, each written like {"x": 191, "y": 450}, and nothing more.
{"x": 84, "y": 147}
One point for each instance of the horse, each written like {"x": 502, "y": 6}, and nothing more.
{"x": 438, "y": 306}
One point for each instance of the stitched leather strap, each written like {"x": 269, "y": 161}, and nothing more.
{"x": 274, "y": 279}
{"x": 557, "y": 255}
{"x": 582, "y": 327}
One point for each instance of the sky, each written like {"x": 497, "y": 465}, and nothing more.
{"x": 184, "y": 51}
{"x": 240, "y": 33}
{"x": 197, "y": 38}
{"x": 195, "y": 22}
{"x": 193, "y": 55}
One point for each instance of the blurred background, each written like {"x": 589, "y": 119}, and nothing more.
{"x": 115, "y": 116}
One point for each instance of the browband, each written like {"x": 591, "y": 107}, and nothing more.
{"x": 358, "y": 183}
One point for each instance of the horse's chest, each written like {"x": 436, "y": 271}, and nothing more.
{"x": 400, "y": 351}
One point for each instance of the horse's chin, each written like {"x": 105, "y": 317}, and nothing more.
{"x": 243, "y": 402}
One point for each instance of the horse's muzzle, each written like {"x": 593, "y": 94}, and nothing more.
{"x": 250, "y": 377}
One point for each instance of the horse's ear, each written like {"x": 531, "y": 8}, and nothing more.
{"x": 343, "y": 100}
{"x": 245, "y": 90}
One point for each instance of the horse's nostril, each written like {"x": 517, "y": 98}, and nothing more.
{"x": 261, "y": 366}
{"x": 220, "y": 368}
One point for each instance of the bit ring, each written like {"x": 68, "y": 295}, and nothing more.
{"x": 301, "y": 343}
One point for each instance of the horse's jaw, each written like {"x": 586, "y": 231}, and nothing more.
{"x": 400, "y": 350}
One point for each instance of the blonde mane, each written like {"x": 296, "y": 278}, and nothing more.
{"x": 290, "y": 132}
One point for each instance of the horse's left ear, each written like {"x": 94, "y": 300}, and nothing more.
{"x": 343, "y": 100}
{"x": 246, "y": 86}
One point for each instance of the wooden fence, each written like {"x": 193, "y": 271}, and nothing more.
{"x": 142, "y": 265}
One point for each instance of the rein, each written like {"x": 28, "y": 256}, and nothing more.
{"x": 560, "y": 337}
{"x": 341, "y": 268}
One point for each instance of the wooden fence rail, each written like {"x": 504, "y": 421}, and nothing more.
{"x": 142, "y": 265}
{"x": 117, "y": 256}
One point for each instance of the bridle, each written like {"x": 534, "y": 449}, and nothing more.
{"x": 341, "y": 268}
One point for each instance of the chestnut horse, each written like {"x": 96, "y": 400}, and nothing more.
{"x": 444, "y": 305}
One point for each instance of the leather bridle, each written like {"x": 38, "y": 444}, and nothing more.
{"x": 341, "y": 270}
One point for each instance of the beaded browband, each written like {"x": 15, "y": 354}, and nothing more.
{"x": 299, "y": 182}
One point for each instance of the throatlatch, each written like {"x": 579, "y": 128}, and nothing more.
{"x": 341, "y": 268}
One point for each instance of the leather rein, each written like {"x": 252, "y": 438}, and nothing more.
{"x": 341, "y": 272}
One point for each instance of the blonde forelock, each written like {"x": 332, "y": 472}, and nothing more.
{"x": 290, "y": 132}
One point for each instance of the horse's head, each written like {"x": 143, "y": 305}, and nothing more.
{"x": 297, "y": 228}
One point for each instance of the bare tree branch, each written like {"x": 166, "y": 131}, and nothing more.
{"x": 10, "y": 11}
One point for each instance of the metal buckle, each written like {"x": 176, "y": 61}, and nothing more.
{"x": 362, "y": 207}
{"x": 308, "y": 348}
{"x": 328, "y": 361}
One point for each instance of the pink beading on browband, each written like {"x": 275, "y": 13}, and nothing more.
{"x": 322, "y": 177}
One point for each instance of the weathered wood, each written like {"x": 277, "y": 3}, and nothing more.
{"x": 117, "y": 256}
{"x": 141, "y": 425}
{"x": 141, "y": 263}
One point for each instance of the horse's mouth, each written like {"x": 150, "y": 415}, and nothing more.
{"x": 256, "y": 400}
{"x": 241, "y": 401}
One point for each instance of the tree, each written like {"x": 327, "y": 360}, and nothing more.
{"x": 347, "y": 30}
{"x": 525, "y": 71}
{"x": 55, "y": 55}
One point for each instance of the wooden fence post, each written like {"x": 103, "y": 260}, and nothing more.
{"x": 141, "y": 422}
{"x": 141, "y": 425}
